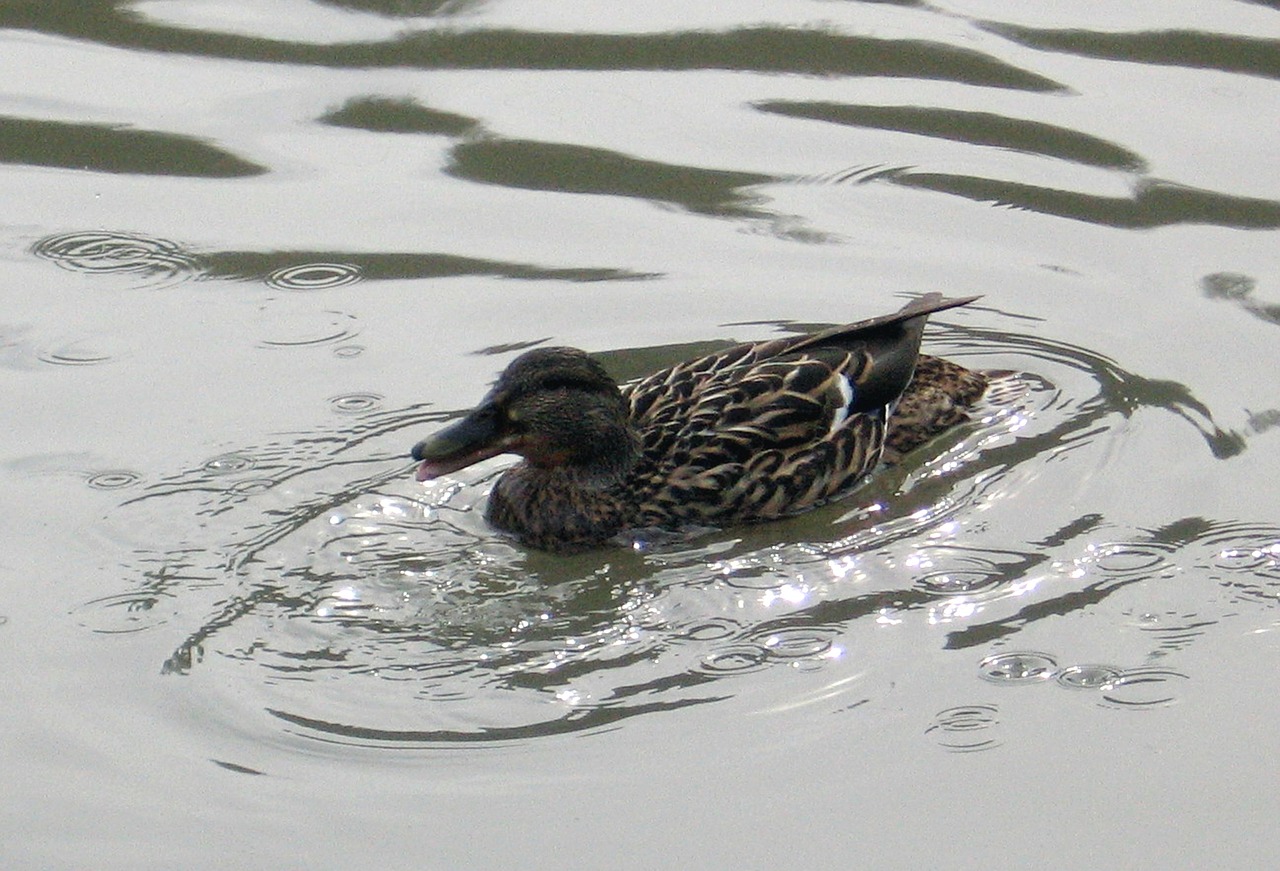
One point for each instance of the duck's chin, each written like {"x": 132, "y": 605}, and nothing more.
{"x": 429, "y": 470}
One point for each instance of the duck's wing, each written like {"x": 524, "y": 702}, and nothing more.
{"x": 764, "y": 430}
{"x": 886, "y": 348}
{"x": 776, "y": 437}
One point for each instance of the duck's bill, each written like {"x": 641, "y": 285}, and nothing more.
{"x": 464, "y": 443}
{"x": 430, "y": 469}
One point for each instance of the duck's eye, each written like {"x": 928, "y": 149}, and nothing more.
{"x": 514, "y": 415}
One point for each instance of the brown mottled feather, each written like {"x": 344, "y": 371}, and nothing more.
{"x": 938, "y": 398}
{"x": 756, "y": 432}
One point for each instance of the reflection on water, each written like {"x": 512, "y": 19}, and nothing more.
{"x": 974, "y": 128}
{"x": 487, "y": 157}
{"x": 1153, "y": 203}
{"x": 1237, "y": 288}
{"x": 317, "y": 560}
{"x": 407, "y": 8}
{"x": 309, "y": 270}
{"x": 802, "y": 50}
{"x": 159, "y": 261}
{"x": 577, "y": 169}
{"x": 403, "y": 115}
{"x": 99, "y": 148}
{"x": 1185, "y": 48}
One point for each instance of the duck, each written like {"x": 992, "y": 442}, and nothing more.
{"x": 753, "y": 433}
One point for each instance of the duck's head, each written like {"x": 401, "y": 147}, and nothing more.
{"x": 555, "y": 407}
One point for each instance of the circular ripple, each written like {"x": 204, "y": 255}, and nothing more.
{"x": 715, "y": 629}
{"x": 1132, "y": 559}
{"x": 252, "y": 485}
{"x": 796, "y": 642}
{"x": 126, "y": 612}
{"x": 1246, "y": 559}
{"x": 110, "y": 252}
{"x": 310, "y": 328}
{"x": 754, "y": 577}
{"x": 1023, "y": 667}
{"x": 958, "y": 582}
{"x": 314, "y": 276}
{"x": 79, "y": 353}
{"x": 348, "y": 351}
{"x": 1088, "y": 677}
{"x": 954, "y": 571}
{"x": 113, "y": 479}
{"x": 734, "y": 659}
{"x": 1251, "y": 560}
{"x": 1144, "y": 688}
{"x": 966, "y": 728}
{"x": 355, "y": 403}
{"x": 229, "y": 464}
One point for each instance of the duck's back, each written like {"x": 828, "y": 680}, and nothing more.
{"x": 763, "y": 430}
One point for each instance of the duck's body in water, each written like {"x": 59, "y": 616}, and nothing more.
{"x": 756, "y": 432}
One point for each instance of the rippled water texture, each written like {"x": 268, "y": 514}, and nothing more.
{"x": 253, "y": 252}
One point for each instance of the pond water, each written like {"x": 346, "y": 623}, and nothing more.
{"x": 251, "y": 253}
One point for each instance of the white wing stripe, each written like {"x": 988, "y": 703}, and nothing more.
{"x": 846, "y": 396}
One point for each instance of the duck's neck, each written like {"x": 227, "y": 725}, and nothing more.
{"x": 567, "y": 507}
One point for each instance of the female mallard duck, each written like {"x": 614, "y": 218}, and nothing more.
{"x": 752, "y": 433}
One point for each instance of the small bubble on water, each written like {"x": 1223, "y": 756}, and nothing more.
{"x": 355, "y": 403}
{"x": 229, "y": 464}
{"x": 1022, "y": 667}
{"x": 1088, "y": 677}
{"x": 398, "y": 508}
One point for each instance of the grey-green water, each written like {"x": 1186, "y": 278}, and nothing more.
{"x": 252, "y": 252}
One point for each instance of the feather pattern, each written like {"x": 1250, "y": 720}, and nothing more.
{"x": 755, "y": 432}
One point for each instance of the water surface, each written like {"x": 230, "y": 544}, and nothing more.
{"x": 253, "y": 253}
